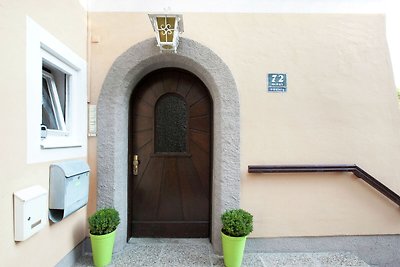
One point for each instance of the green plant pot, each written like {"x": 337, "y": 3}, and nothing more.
{"x": 233, "y": 248}
{"x": 102, "y": 248}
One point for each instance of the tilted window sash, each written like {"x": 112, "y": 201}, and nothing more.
{"x": 52, "y": 115}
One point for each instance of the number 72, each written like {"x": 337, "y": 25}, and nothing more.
{"x": 277, "y": 76}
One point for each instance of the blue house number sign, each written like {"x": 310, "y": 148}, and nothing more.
{"x": 277, "y": 82}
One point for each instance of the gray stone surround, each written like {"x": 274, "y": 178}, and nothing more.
{"x": 112, "y": 116}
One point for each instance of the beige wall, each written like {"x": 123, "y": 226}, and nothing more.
{"x": 66, "y": 20}
{"x": 340, "y": 108}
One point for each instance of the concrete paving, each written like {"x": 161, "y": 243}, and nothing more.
{"x": 198, "y": 252}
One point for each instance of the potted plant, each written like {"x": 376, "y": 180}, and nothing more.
{"x": 236, "y": 225}
{"x": 102, "y": 227}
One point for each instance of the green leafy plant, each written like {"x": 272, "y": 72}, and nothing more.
{"x": 104, "y": 221}
{"x": 237, "y": 223}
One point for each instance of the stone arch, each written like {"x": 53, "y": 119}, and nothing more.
{"x": 112, "y": 137}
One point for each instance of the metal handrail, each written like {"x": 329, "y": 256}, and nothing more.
{"x": 357, "y": 171}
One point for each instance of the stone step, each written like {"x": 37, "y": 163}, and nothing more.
{"x": 198, "y": 252}
{"x": 320, "y": 259}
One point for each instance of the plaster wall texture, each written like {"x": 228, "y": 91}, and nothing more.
{"x": 66, "y": 20}
{"x": 340, "y": 108}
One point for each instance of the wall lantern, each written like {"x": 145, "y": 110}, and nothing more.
{"x": 167, "y": 28}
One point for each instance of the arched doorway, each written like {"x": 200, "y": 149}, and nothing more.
{"x": 113, "y": 117}
{"x": 170, "y": 153}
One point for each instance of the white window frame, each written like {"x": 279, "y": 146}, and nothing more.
{"x": 70, "y": 142}
{"x": 56, "y": 105}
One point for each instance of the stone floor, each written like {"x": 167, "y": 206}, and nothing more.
{"x": 198, "y": 252}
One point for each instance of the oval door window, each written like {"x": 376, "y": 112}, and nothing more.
{"x": 171, "y": 124}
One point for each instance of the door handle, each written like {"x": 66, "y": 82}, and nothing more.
{"x": 136, "y": 163}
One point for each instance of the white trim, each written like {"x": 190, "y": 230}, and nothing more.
{"x": 41, "y": 45}
{"x": 239, "y": 6}
{"x": 56, "y": 144}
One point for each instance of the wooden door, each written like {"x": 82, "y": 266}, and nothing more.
{"x": 170, "y": 131}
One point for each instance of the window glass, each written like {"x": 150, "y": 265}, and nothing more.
{"x": 48, "y": 116}
{"x": 54, "y": 92}
{"x": 171, "y": 124}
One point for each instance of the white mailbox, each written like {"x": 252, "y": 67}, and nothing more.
{"x": 30, "y": 211}
{"x": 69, "y": 188}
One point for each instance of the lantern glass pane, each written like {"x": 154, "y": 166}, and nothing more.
{"x": 171, "y": 22}
{"x": 167, "y": 47}
{"x": 166, "y": 27}
{"x": 170, "y": 36}
{"x": 162, "y": 35}
{"x": 171, "y": 27}
{"x": 160, "y": 22}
